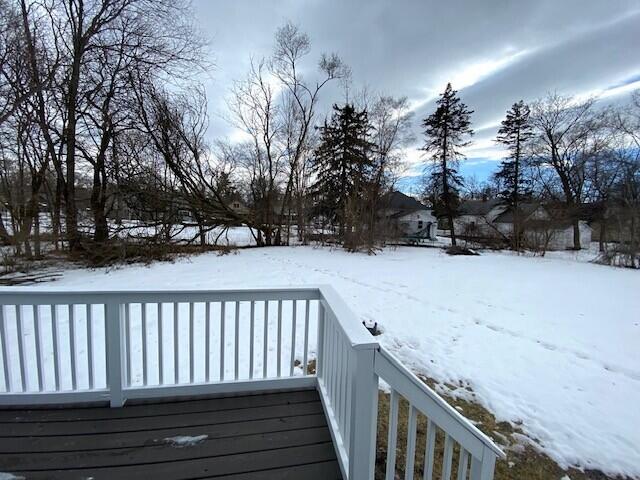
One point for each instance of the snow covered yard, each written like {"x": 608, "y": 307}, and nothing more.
{"x": 546, "y": 343}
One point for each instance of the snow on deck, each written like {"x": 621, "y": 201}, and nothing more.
{"x": 545, "y": 342}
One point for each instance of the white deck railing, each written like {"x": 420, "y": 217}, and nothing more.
{"x": 77, "y": 347}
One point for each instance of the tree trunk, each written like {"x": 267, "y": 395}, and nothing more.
{"x": 55, "y": 214}
{"x": 447, "y": 206}
{"x": 576, "y": 235}
{"x": 98, "y": 203}
{"x": 603, "y": 233}
{"x": 71, "y": 208}
{"x": 516, "y": 195}
{"x": 302, "y": 236}
{"x": 36, "y": 233}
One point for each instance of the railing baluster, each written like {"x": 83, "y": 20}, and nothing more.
{"x": 336, "y": 364}
{"x": 36, "y": 334}
{"x": 143, "y": 320}
{"x": 293, "y": 338}
{"x": 54, "y": 340}
{"x": 251, "y": 337}
{"x": 176, "y": 344}
{"x": 127, "y": 343}
{"x": 72, "y": 343}
{"x": 335, "y": 372}
{"x": 412, "y": 426}
{"x": 236, "y": 350}
{"x": 21, "y": 352}
{"x": 334, "y": 361}
{"x": 279, "y": 344}
{"x": 447, "y": 457}
{"x": 429, "y": 450}
{"x": 192, "y": 344}
{"x": 222, "y": 342}
{"x": 305, "y": 353}
{"x": 350, "y": 376}
{"x": 463, "y": 464}
{"x": 159, "y": 326}
{"x": 207, "y": 341}
{"x": 265, "y": 339}
{"x": 322, "y": 337}
{"x": 89, "y": 321}
{"x": 5, "y": 354}
{"x": 342, "y": 383}
{"x": 392, "y": 437}
{"x": 329, "y": 357}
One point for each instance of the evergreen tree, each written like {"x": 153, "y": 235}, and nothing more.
{"x": 445, "y": 132}
{"x": 342, "y": 162}
{"x": 514, "y": 133}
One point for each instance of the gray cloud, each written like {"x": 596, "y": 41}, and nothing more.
{"x": 499, "y": 51}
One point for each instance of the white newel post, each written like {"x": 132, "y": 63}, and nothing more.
{"x": 113, "y": 329}
{"x": 483, "y": 469}
{"x": 364, "y": 413}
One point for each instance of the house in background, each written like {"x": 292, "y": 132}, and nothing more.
{"x": 543, "y": 227}
{"x": 408, "y": 218}
{"x": 237, "y": 205}
{"x": 475, "y": 218}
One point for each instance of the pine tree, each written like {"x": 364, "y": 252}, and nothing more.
{"x": 445, "y": 132}
{"x": 514, "y": 133}
{"x": 342, "y": 162}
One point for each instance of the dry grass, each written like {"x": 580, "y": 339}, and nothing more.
{"x": 522, "y": 462}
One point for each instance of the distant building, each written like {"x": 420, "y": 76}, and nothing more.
{"x": 237, "y": 205}
{"x": 475, "y": 217}
{"x": 408, "y": 218}
{"x": 541, "y": 226}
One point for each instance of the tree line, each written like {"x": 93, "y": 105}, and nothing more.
{"x": 103, "y": 139}
{"x": 579, "y": 155}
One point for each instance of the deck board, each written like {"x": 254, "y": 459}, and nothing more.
{"x": 252, "y": 437}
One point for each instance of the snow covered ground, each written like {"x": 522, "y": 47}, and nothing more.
{"x": 550, "y": 343}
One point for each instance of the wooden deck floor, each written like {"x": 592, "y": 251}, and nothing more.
{"x": 268, "y": 436}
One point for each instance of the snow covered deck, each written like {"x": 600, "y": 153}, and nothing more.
{"x": 267, "y": 436}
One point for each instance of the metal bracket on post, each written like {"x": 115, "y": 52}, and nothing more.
{"x": 115, "y": 375}
{"x": 364, "y": 413}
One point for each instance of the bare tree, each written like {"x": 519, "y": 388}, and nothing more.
{"x": 300, "y": 101}
{"x": 391, "y": 122}
{"x": 257, "y": 112}
{"x": 625, "y": 193}
{"x": 176, "y": 125}
{"x": 565, "y": 136}
{"x": 85, "y": 34}
{"x": 276, "y": 106}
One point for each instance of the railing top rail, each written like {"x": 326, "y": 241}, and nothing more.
{"x": 43, "y": 296}
{"x": 347, "y": 320}
{"x": 450, "y": 411}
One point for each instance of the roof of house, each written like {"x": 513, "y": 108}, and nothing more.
{"x": 554, "y": 225}
{"x": 399, "y": 201}
{"x": 478, "y": 207}
{"x": 526, "y": 209}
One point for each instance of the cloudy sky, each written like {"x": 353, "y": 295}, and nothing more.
{"x": 494, "y": 52}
